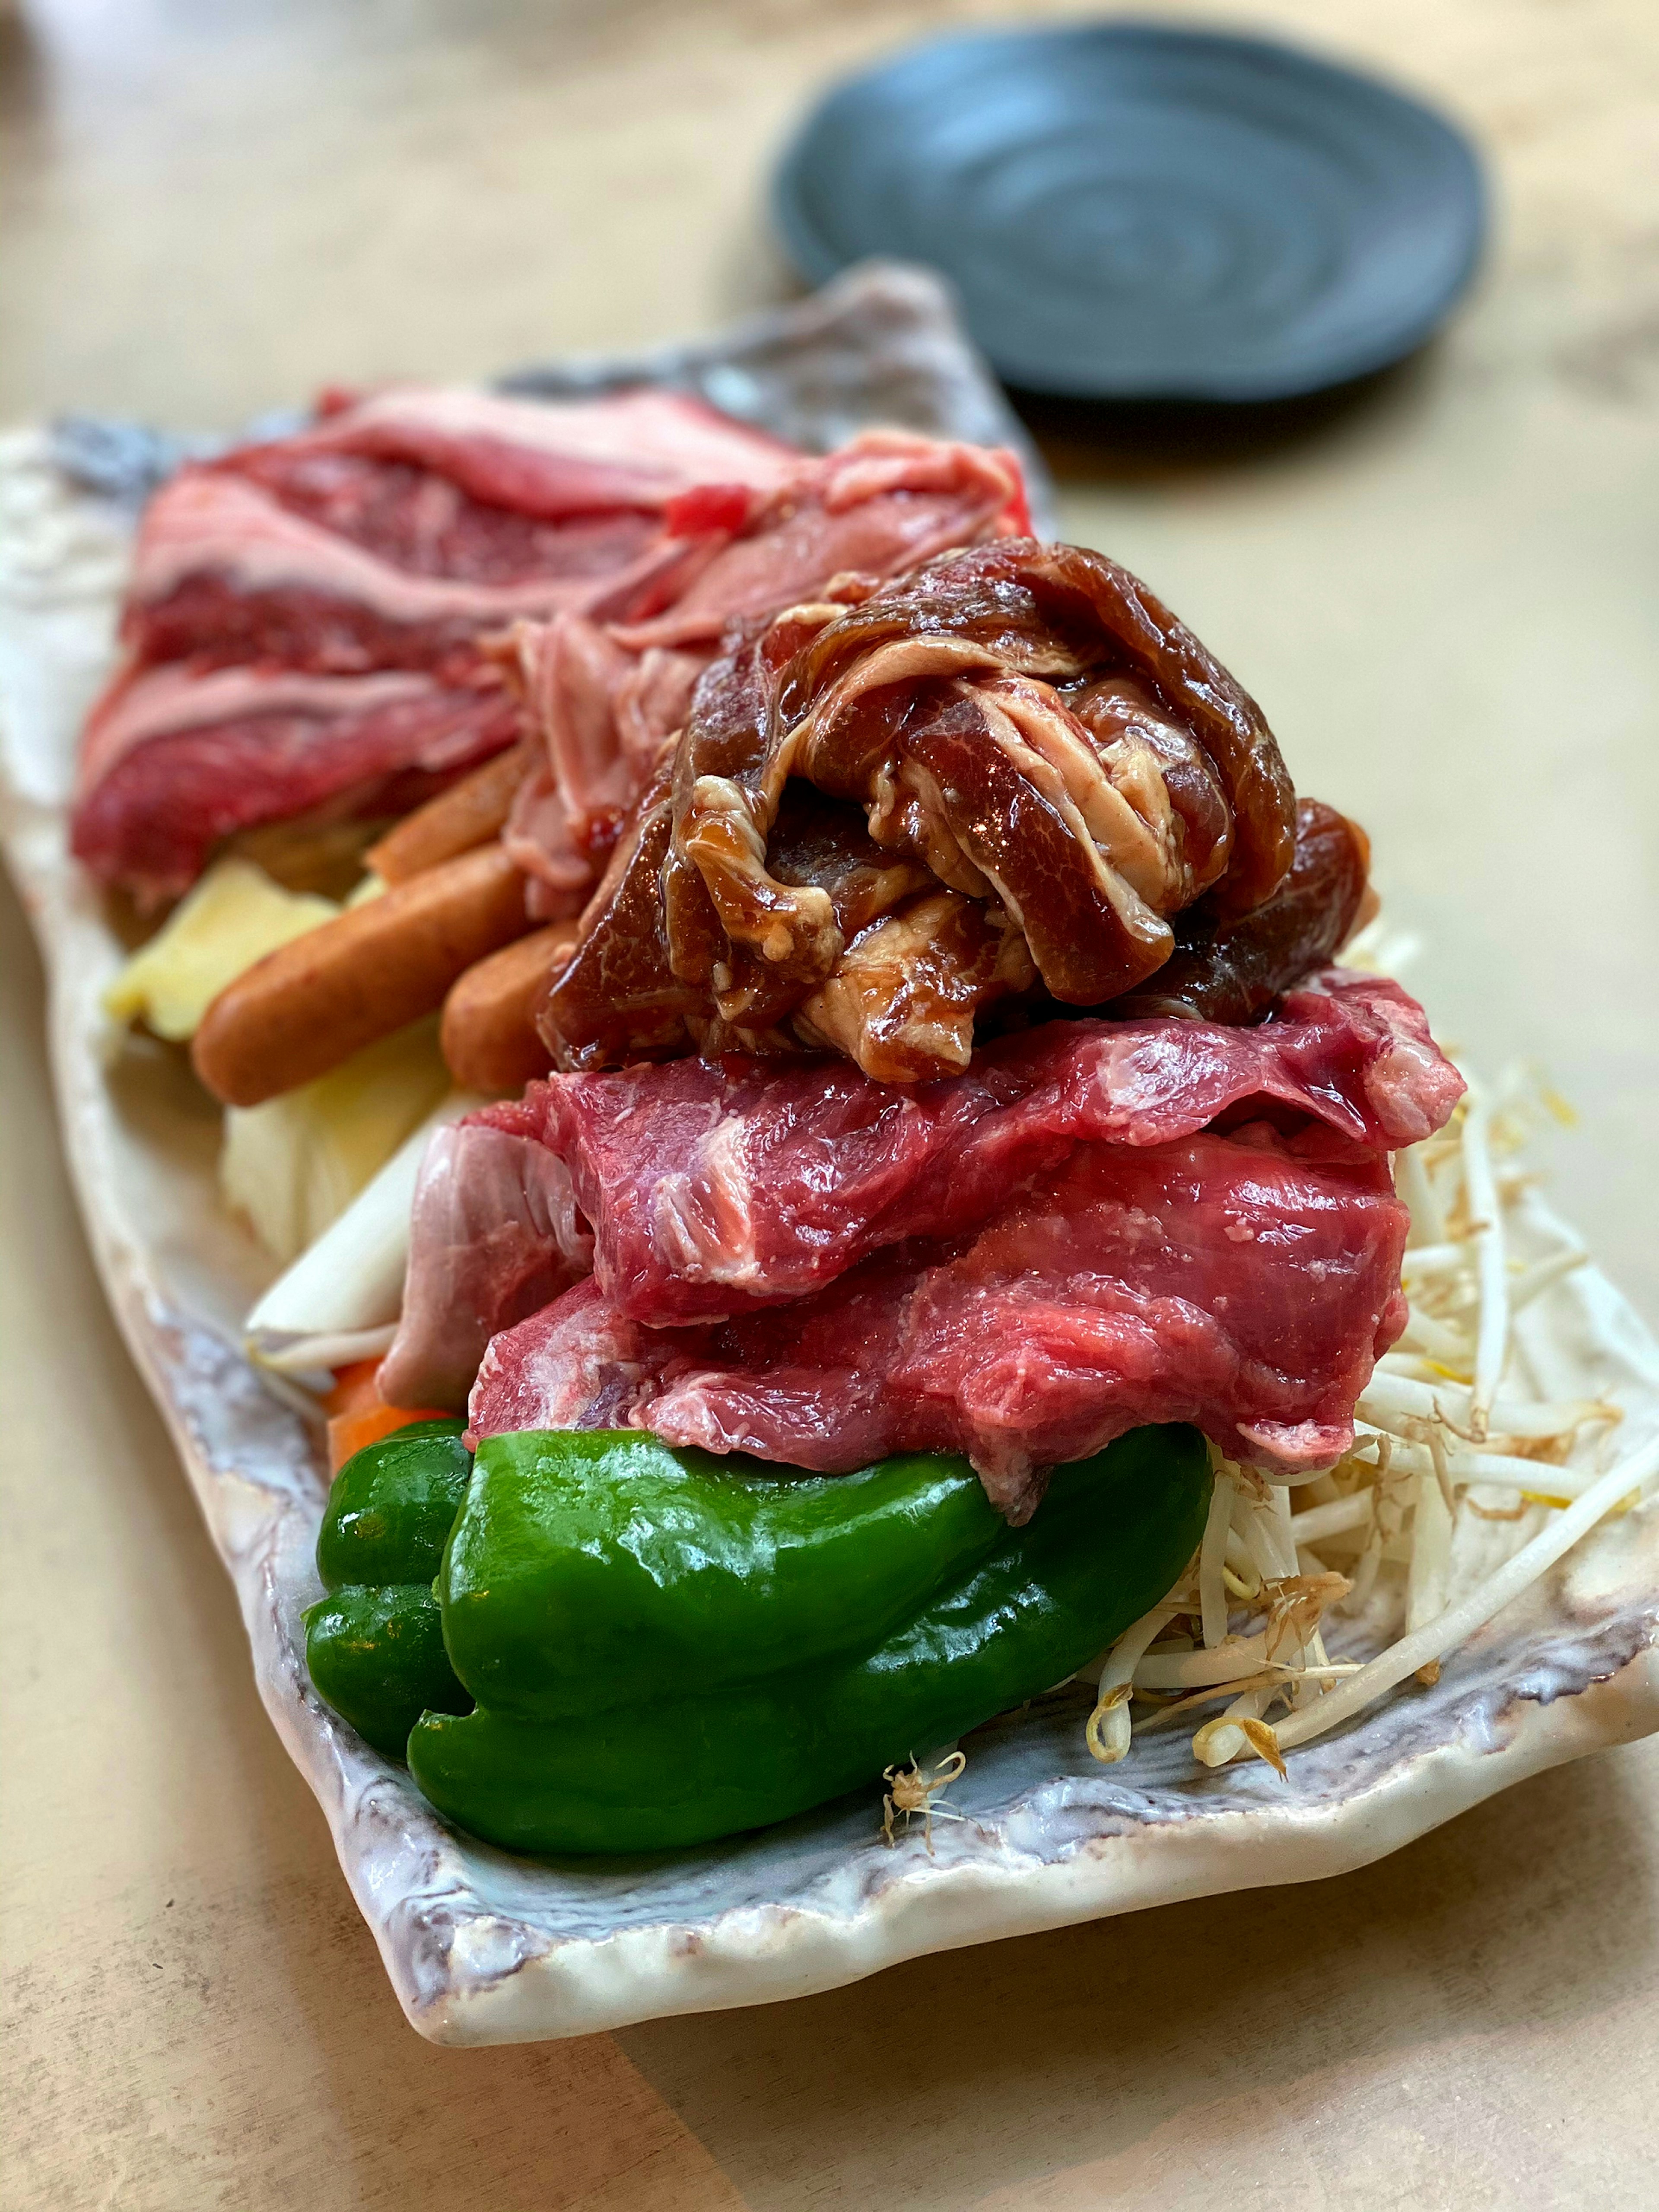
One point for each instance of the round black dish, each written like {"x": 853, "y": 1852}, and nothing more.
{"x": 1131, "y": 212}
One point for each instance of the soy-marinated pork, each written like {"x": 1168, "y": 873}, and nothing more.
{"x": 604, "y": 690}
{"x": 1055, "y": 767}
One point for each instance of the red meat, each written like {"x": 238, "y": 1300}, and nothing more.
{"x": 496, "y": 1237}
{"x": 275, "y": 589}
{"x": 1227, "y": 1280}
{"x": 606, "y": 685}
{"x": 225, "y": 571}
{"x": 717, "y": 1186}
{"x": 644, "y": 448}
{"x": 1097, "y": 1225}
{"x": 389, "y": 536}
{"x": 173, "y": 760}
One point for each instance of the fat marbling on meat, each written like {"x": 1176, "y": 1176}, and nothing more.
{"x": 605, "y": 686}
{"x": 1097, "y": 1224}
{"x": 284, "y": 593}
{"x": 1244, "y": 1282}
{"x": 403, "y": 524}
{"x": 175, "y": 758}
{"x": 714, "y": 1186}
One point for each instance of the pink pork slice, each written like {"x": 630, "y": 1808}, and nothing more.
{"x": 381, "y": 546}
{"x": 405, "y": 523}
{"x": 173, "y": 760}
{"x": 605, "y": 685}
{"x": 496, "y": 1235}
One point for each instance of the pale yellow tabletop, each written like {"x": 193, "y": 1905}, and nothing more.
{"x": 1444, "y": 593}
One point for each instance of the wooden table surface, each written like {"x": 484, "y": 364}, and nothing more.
{"x": 1443, "y": 590}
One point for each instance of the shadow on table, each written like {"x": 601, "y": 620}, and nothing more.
{"x": 1094, "y": 443}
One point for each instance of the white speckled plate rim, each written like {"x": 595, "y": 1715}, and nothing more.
{"x": 484, "y": 1948}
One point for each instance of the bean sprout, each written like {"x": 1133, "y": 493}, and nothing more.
{"x": 1462, "y": 1405}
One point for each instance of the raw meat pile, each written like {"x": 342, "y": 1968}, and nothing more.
{"x": 952, "y": 1055}
{"x": 276, "y": 590}
{"x": 1096, "y": 1224}
{"x": 338, "y": 623}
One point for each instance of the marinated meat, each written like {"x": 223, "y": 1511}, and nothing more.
{"x": 903, "y": 996}
{"x": 1231, "y": 971}
{"x": 1027, "y": 726}
{"x": 1025, "y": 609}
{"x": 622, "y": 959}
{"x": 605, "y": 687}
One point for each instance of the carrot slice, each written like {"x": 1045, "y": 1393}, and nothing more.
{"x": 355, "y": 1387}
{"x": 358, "y": 1415}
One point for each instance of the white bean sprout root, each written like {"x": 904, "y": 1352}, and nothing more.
{"x": 1457, "y": 1428}
{"x": 911, "y": 1790}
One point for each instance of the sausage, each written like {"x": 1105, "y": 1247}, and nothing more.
{"x": 469, "y": 813}
{"x": 488, "y": 1031}
{"x": 313, "y": 1002}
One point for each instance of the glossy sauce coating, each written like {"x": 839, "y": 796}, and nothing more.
{"x": 1004, "y": 777}
{"x": 1232, "y": 971}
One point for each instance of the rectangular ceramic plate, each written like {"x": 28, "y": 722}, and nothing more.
{"x": 482, "y": 1947}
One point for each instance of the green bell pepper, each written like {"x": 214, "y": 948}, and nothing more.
{"x": 374, "y": 1645}
{"x": 666, "y": 1647}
